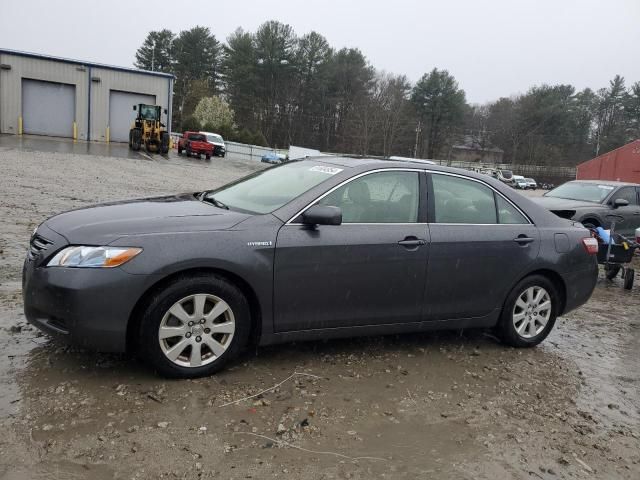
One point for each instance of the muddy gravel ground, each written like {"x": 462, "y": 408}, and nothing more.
{"x": 438, "y": 405}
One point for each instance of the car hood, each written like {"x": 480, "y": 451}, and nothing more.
{"x": 554, "y": 203}
{"x": 104, "y": 223}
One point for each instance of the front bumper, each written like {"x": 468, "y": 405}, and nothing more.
{"x": 89, "y": 307}
{"x": 219, "y": 151}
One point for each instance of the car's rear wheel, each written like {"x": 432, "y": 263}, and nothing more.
{"x": 529, "y": 312}
{"x": 194, "y": 327}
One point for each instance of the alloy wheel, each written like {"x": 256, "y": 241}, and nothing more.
{"x": 196, "y": 330}
{"x": 532, "y": 311}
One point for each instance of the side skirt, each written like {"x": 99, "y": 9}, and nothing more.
{"x": 385, "y": 329}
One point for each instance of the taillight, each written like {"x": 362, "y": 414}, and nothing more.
{"x": 590, "y": 245}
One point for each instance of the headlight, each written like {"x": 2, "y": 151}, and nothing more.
{"x": 93, "y": 257}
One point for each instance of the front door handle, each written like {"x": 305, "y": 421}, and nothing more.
{"x": 412, "y": 242}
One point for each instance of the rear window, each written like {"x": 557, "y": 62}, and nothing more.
{"x": 197, "y": 137}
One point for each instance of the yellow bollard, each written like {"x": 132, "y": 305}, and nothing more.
{"x": 19, "y": 125}
{"x": 107, "y": 138}
{"x": 75, "y": 131}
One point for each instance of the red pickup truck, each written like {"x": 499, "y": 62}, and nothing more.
{"x": 195, "y": 143}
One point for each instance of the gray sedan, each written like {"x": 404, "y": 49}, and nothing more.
{"x": 325, "y": 247}
{"x": 593, "y": 202}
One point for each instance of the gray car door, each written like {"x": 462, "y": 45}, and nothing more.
{"x": 368, "y": 271}
{"x": 630, "y": 215}
{"x": 480, "y": 246}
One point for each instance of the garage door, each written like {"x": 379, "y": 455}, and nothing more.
{"x": 48, "y": 108}
{"x": 121, "y": 114}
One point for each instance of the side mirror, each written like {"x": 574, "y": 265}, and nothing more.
{"x": 135, "y": 108}
{"x": 620, "y": 202}
{"x": 165, "y": 111}
{"x": 322, "y": 215}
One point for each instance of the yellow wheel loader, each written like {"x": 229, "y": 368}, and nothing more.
{"x": 148, "y": 130}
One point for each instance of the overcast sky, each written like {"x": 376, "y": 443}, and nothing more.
{"x": 494, "y": 48}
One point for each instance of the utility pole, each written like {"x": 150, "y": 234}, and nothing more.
{"x": 415, "y": 147}
{"x": 153, "y": 57}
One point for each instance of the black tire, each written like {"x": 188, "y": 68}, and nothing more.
{"x": 506, "y": 327}
{"x": 611, "y": 271}
{"x": 179, "y": 150}
{"x": 208, "y": 157}
{"x": 136, "y": 139}
{"x": 629, "y": 276}
{"x": 188, "y": 152}
{"x": 164, "y": 142}
{"x": 149, "y": 343}
{"x": 590, "y": 223}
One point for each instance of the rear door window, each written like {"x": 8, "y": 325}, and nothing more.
{"x": 508, "y": 214}
{"x": 460, "y": 200}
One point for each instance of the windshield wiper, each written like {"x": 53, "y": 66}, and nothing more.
{"x": 204, "y": 197}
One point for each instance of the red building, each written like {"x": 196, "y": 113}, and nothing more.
{"x": 621, "y": 164}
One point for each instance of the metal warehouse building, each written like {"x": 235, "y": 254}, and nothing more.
{"x": 43, "y": 95}
{"x": 621, "y": 164}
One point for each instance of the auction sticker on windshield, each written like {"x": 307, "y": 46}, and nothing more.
{"x": 323, "y": 169}
{"x": 606, "y": 187}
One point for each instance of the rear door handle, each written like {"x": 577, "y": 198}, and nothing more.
{"x": 522, "y": 240}
{"x": 412, "y": 242}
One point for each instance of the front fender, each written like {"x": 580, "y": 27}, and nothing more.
{"x": 246, "y": 253}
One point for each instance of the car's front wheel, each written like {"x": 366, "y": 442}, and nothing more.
{"x": 194, "y": 327}
{"x": 529, "y": 312}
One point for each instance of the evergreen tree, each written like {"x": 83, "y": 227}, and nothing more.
{"x": 156, "y": 53}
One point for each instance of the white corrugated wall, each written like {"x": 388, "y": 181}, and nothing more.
{"x": 100, "y": 78}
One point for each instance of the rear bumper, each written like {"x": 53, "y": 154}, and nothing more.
{"x": 84, "y": 306}
{"x": 579, "y": 286}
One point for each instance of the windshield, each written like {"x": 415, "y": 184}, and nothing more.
{"x": 215, "y": 139}
{"x": 196, "y": 137}
{"x": 269, "y": 189}
{"x": 506, "y": 173}
{"x": 586, "y": 192}
{"x": 148, "y": 112}
{"x": 530, "y": 180}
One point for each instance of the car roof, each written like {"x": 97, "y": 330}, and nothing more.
{"x": 368, "y": 163}
{"x": 211, "y": 133}
{"x": 607, "y": 182}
